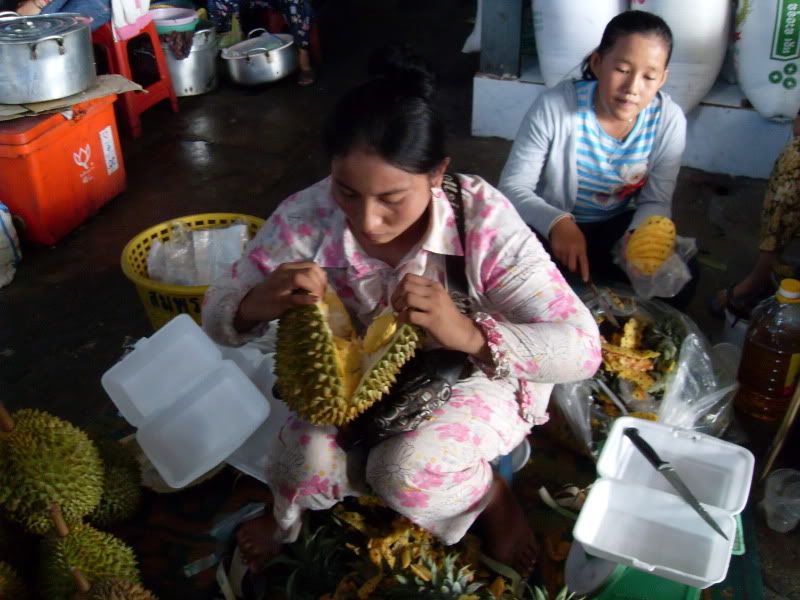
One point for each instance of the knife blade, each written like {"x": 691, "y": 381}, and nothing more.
{"x": 671, "y": 475}
{"x": 604, "y": 305}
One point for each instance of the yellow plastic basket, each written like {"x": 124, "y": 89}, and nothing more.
{"x": 163, "y": 301}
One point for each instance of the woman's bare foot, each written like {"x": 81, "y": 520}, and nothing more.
{"x": 256, "y": 541}
{"x": 505, "y": 531}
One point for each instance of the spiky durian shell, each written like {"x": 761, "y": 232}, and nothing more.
{"x": 119, "y": 590}
{"x": 98, "y": 555}
{"x": 11, "y": 585}
{"x": 48, "y": 460}
{"x": 122, "y": 479}
{"x": 306, "y": 368}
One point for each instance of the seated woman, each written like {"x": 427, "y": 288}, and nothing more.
{"x": 98, "y": 10}
{"x": 299, "y": 14}
{"x": 780, "y": 224}
{"x": 378, "y": 230}
{"x": 594, "y": 158}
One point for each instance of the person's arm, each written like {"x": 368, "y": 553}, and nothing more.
{"x": 527, "y": 160}
{"x": 536, "y": 327}
{"x": 261, "y": 257}
{"x": 665, "y": 163}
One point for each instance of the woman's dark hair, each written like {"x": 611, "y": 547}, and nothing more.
{"x": 392, "y": 114}
{"x": 624, "y": 24}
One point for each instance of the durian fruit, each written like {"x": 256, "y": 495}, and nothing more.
{"x": 122, "y": 480}
{"x": 48, "y": 460}
{"x": 651, "y": 244}
{"x": 119, "y": 590}
{"x": 11, "y": 586}
{"x": 97, "y": 554}
{"x": 326, "y": 373}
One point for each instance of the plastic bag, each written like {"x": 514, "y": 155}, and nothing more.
{"x": 196, "y": 257}
{"x": 473, "y": 42}
{"x": 695, "y": 393}
{"x": 10, "y": 253}
{"x": 669, "y": 279}
{"x": 699, "y": 394}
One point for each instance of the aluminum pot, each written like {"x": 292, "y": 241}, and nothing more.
{"x": 45, "y": 57}
{"x": 261, "y": 59}
{"x": 197, "y": 73}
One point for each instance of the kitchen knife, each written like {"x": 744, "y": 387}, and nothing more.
{"x": 668, "y": 471}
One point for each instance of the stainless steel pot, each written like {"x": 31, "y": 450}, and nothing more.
{"x": 45, "y": 57}
{"x": 258, "y": 60}
{"x": 197, "y": 73}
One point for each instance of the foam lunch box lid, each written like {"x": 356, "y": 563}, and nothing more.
{"x": 633, "y": 516}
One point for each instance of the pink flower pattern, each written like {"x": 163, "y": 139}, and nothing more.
{"x": 315, "y": 485}
{"x": 537, "y": 330}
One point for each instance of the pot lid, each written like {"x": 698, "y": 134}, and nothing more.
{"x": 262, "y": 44}
{"x": 21, "y": 30}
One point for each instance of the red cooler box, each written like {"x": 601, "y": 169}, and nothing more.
{"x": 57, "y": 172}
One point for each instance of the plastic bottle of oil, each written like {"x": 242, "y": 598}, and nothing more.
{"x": 770, "y": 363}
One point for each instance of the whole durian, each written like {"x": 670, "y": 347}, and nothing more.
{"x": 48, "y": 460}
{"x": 11, "y": 585}
{"x": 122, "y": 480}
{"x": 119, "y": 590}
{"x": 326, "y": 373}
{"x": 98, "y": 555}
{"x": 651, "y": 244}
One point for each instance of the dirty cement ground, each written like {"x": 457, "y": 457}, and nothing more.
{"x": 66, "y": 317}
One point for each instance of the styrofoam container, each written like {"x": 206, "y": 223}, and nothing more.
{"x": 633, "y": 516}
{"x": 204, "y": 426}
{"x": 149, "y": 379}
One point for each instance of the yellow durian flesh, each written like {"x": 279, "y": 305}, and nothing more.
{"x": 323, "y": 370}
{"x": 651, "y": 244}
{"x": 380, "y": 332}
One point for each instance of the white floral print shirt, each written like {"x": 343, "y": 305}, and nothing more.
{"x": 538, "y": 330}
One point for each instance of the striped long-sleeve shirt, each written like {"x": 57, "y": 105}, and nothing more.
{"x": 609, "y": 170}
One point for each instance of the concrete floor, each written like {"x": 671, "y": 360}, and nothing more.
{"x": 70, "y": 311}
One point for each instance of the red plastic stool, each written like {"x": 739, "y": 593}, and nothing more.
{"x": 133, "y": 104}
{"x": 276, "y": 23}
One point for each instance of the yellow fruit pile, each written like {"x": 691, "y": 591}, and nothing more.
{"x": 651, "y": 244}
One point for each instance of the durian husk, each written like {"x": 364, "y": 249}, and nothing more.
{"x": 323, "y": 371}
{"x": 97, "y": 554}
{"x": 11, "y": 584}
{"x": 48, "y": 460}
{"x": 122, "y": 478}
{"x": 119, "y": 590}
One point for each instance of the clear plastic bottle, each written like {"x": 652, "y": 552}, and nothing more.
{"x": 768, "y": 372}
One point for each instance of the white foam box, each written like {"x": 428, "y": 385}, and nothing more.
{"x": 634, "y": 517}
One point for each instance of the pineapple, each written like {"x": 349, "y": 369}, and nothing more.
{"x": 434, "y": 582}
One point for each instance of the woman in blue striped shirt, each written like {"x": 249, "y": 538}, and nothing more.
{"x": 595, "y": 157}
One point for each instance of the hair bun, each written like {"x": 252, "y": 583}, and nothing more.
{"x": 411, "y": 74}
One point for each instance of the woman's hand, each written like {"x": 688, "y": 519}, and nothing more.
{"x": 424, "y": 302}
{"x": 291, "y": 284}
{"x": 569, "y": 246}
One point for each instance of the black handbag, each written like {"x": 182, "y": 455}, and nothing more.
{"x": 425, "y": 382}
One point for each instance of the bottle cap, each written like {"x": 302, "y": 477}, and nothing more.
{"x": 789, "y": 291}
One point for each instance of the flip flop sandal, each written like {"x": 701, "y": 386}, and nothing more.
{"x": 571, "y": 497}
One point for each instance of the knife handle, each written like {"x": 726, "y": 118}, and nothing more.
{"x": 646, "y": 449}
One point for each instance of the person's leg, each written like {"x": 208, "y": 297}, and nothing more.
{"x": 780, "y": 222}
{"x": 306, "y": 470}
{"x": 220, "y": 13}
{"x": 299, "y": 15}
{"x": 440, "y": 478}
